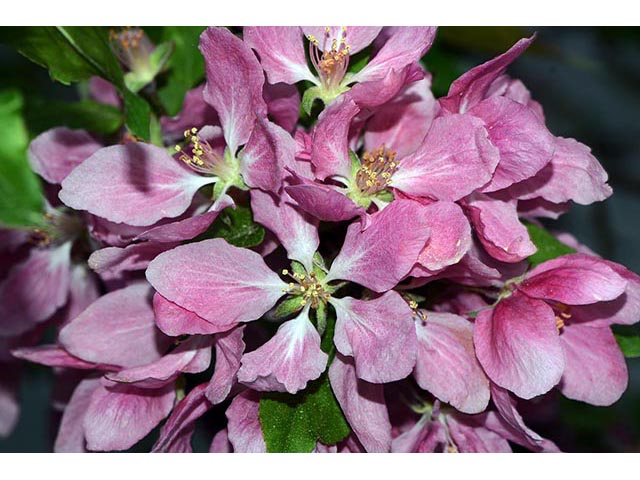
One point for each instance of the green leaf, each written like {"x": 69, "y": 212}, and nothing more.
{"x": 549, "y": 247}
{"x": 295, "y": 423}
{"x": 41, "y": 115}
{"x": 21, "y": 197}
{"x": 630, "y": 346}
{"x": 138, "y": 115}
{"x": 289, "y": 306}
{"x": 358, "y": 61}
{"x": 238, "y": 228}
{"x": 186, "y": 66}
{"x": 310, "y": 96}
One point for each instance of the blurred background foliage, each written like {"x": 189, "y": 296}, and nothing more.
{"x": 586, "y": 79}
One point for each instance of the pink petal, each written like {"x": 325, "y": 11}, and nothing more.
{"x": 219, "y": 282}
{"x": 136, "y": 183}
{"x": 113, "y": 261}
{"x": 426, "y": 436}
{"x": 573, "y": 174}
{"x": 380, "y": 256}
{"x": 83, "y": 291}
{"x": 70, "y": 438}
{"x": 517, "y": 344}
{"x": 281, "y": 52}
{"x": 473, "y": 86}
{"x": 175, "y": 434}
{"x": 185, "y": 229}
{"x": 283, "y": 103}
{"x": 363, "y": 405}
{"x": 296, "y": 229}
{"x": 450, "y": 237}
{"x": 119, "y": 416}
{"x": 220, "y": 443}
{"x": 55, "y": 153}
{"x": 372, "y": 94}
{"x": 34, "y": 289}
{"x": 195, "y": 112}
{"x": 191, "y": 356}
{"x": 117, "y": 329}
{"x": 499, "y": 229}
{"x": 402, "y": 124}
{"x": 446, "y": 363}
{"x": 268, "y": 150}
{"x": 357, "y": 38}
{"x": 9, "y": 401}
{"x": 596, "y": 371}
{"x": 471, "y": 439}
{"x": 244, "y": 430}
{"x": 229, "y": 349}
{"x": 234, "y": 84}
{"x": 102, "y": 91}
{"x": 524, "y": 142}
{"x": 575, "y": 279}
{"x": 330, "y": 139}
{"x": 52, "y": 356}
{"x": 454, "y": 159}
{"x": 288, "y": 361}
{"x": 403, "y": 46}
{"x": 175, "y": 321}
{"x": 379, "y": 334}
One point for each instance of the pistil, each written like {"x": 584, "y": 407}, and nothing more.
{"x": 330, "y": 63}
{"x": 377, "y": 168}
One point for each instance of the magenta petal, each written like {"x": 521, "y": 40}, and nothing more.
{"x": 573, "y": 174}
{"x": 234, "y": 84}
{"x": 281, "y": 52}
{"x": 473, "y": 86}
{"x": 229, "y": 349}
{"x": 244, "y": 430}
{"x": 330, "y": 139}
{"x": 117, "y": 329}
{"x": 52, "y": 356}
{"x": 191, "y": 356}
{"x": 454, "y": 159}
{"x": 401, "y": 125}
{"x": 175, "y": 321}
{"x": 288, "y": 361}
{"x": 220, "y": 443}
{"x": 575, "y": 279}
{"x": 113, "y": 261}
{"x": 136, "y": 183}
{"x": 472, "y": 439}
{"x": 424, "y": 437}
{"x": 403, "y": 46}
{"x": 70, "y": 438}
{"x": 499, "y": 229}
{"x": 450, "y": 236}
{"x": 194, "y": 113}
{"x": 379, "y": 334}
{"x": 372, "y": 94}
{"x": 518, "y": 346}
{"x": 324, "y": 202}
{"x": 121, "y": 415}
{"x": 446, "y": 363}
{"x": 296, "y": 229}
{"x": 219, "y": 282}
{"x": 596, "y": 371}
{"x": 524, "y": 142}
{"x": 380, "y": 256}
{"x": 363, "y": 405}
{"x": 175, "y": 434}
{"x": 54, "y": 153}
{"x": 83, "y": 291}
{"x": 283, "y": 104}
{"x": 185, "y": 229}
{"x": 34, "y": 289}
{"x": 268, "y": 150}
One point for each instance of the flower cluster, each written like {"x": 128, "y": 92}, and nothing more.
{"x": 367, "y": 269}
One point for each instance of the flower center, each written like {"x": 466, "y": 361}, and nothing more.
{"x": 132, "y": 47}
{"x": 330, "y": 63}
{"x": 58, "y": 228}
{"x": 308, "y": 287}
{"x": 375, "y": 173}
{"x": 203, "y": 158}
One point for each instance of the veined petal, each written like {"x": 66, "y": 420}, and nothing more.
{"x": 288, "y": 361}
{"x": 70, "y": 438}
{"x": 473, "y": 439}
{"x": 517, "y": 344}
{"x": 281, "y": 52}
{"x": 575, "y": 279}
{"x": 34, "y": 289}
{"x": 117, "y": 329}
{"x": 380, "y": 256}
{"x": 229, "y": 349}
{"x": 113, "y": 261}
{"x": 379, "y": 334}
{"x": 136, "y": 183}
{"x": 446, "y": 363}
{"x": 363, "y": 405}
{"x": 234, "y": 84}
{"x": 296, "y": 229}
{"x": 244, "y": 429}
{"x": 52, "y": 356}
{"x": 283, "y": 104}
{"x": 356, "y": 37}
{"x": 403, "y": 46}
{"x": 217, "y": 281}
{"x": 454, "y": 159}
{"x": 56, "y": 152}
{"x": 173, "y": 320}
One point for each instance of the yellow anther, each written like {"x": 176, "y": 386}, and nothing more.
{"x": 177, "y": 148}
{"x": 194, "y": 130}
{"x": 327, "y": 30}
{"x": 285, "y": 272}
{"x": 413, "y": 304}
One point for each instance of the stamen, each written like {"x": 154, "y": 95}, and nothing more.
{"x": 376, "y": 170}
{"x": 132, "y": 47}
{"x": 202, "y": 158}
{"x": 308, "y": 287}
{"x": 331, "y": 64}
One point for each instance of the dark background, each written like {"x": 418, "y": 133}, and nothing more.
{"x": 587, "y": 81}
